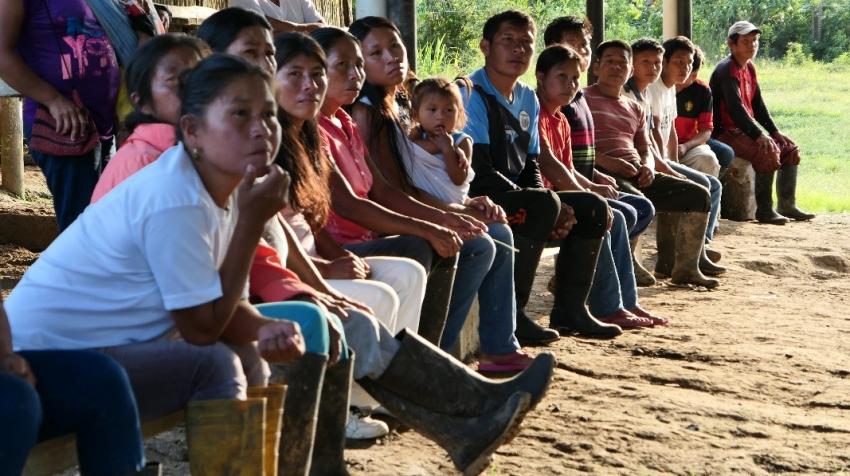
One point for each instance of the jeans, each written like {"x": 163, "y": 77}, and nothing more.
{"x": 712, "y": 184}
{"x": 636, "y": 209}
{"x": 82, "y": 392}
{"x": 486, "y": 269}
{"x": 614, "y": 284}
{"x": 311, "y": 319}
{"x": 724, "y": 153}
{"x": 71, "y": 180}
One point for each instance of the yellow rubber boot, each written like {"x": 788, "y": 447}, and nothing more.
{"x": 274, "y": 395}
{"x": 225, "y": 437}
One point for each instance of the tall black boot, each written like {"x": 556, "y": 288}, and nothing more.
{"x": 527, "y": 259}
{"x": 304, "y": 379}
{"x": 764, "y": 200}
{"x": 328, "y": 452}
{"x": 574, "y": 270}
{"x": 469, "y": 441}
{"x": 438, "y": 295}
{"x": 786, "y": 190}
{"x": 424, "y": 374}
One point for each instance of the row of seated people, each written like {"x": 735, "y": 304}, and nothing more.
{"x": 389, "y": 206}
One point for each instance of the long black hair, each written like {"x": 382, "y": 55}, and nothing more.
{"x": 301, "y": 152}
{"x": 221, "y": 28}
{"x": 142, "y": 67}
{"x": 385, "y": 121}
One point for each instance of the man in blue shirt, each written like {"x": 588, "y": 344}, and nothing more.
{"x": 502, "y": 117}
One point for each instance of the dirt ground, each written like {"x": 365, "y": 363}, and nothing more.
{"x": 749, "y": 378}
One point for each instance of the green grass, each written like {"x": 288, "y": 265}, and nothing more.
{"x": 811, "y": 104}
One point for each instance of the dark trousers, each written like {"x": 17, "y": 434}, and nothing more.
{"x": 71, "y": 180}
{"x": 671, "y": 194}
{"x": 81, "y": 392}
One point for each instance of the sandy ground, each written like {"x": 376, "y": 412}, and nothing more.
{"x": 749, "y": 378}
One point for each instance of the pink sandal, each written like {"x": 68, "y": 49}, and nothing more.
{"x": 504, "y": 363}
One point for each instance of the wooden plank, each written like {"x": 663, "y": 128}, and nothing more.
{"x": 58, "y": 454}
{"x": 12, "y": 145}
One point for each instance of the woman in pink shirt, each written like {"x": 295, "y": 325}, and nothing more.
{"x": 152, "y": 81}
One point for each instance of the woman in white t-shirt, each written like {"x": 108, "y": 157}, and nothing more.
{"x": 167, "y": 253}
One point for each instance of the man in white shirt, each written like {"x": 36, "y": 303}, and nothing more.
{"x": 285, "y": 15}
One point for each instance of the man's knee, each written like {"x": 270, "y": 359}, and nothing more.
{"x": 532, "y": 212}
{"x": 220, "y": 374}
{"x": 591, "y": 213}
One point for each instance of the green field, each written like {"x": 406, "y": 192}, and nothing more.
{"x": 811, "y": 104}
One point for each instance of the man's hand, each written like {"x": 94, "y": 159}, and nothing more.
{"x": 604, "y": 179}
{"x": 782, "y": 139}
{"x": 489, "y": 211}
{"x": 259, "y": 201}
{"x": 645, "y": 176}
{"x": 565, "y": 222}
{"x": 17, "y": 365}
{"x": 606, "y": 191}
{"x": 622, "y": 168}
{"x": 71, "y": 120}
{"x": 683, "y": 149}
{"x": 280, "y": 341}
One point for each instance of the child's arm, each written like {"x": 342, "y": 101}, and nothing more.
{"x": 455, "y": 156}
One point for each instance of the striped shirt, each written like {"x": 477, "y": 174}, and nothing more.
{"x": 582, "y": 136}
{"x": 620, "y": 124}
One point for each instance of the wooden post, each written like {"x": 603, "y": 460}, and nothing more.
{"x": 596, "y": 15}
{"x": 403, "y": 14}
{"x": 12, "y": 145}
{"x": 671, "y": 19}
{"x": 685, "y": 14}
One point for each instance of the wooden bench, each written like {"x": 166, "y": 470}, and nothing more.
{"x": 11, "y": 140}
{"x": 739, "y": 201}
{"x": 60, "y": 453}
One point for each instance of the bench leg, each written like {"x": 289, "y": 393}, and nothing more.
{"x": 12, "y": 145}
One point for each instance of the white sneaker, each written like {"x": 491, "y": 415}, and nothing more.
{"x": 362, "y": 427}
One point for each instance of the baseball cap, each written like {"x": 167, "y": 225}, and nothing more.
{"x": 742, "y": 28}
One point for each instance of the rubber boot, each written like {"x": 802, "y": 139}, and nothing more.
{"x": 328, "y": 457}
{"x": 225, "y": 437}
{"x": 425, "y": 375}
{"x": 643, "y": 277}
{"x": 438, "y": 295}
{"x": 709, "y": 267}
{"x": 274, "y": 395}
{"x": 574, "y": 269}
{"x": 528, "y": 332}
{"x": 714, "y": 255}
{"x": 666, "y": 227}
{"x": 469, "y": 441}
{"x": 764, "y": 200}
{"x": 690, "y": 238}
{"x": 304, "y": 379}
{"x": 786, "y": 190}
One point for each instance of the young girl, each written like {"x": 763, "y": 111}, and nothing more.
{"x": 441, "y": 164}
{"x": 152, "y": 83}
{"x": 613, "y": 295}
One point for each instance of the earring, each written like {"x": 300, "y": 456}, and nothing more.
{"x": 196, "y": 154}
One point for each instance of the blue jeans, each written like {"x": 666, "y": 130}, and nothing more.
{"x": 724, "y": 153}
{"x": 614, "y": 284}
{"x": 710, "y": 183}
{"x": 71, "y": 180}
{"x": 636, "y": 209}
{"x": 485, "y": 269}
{"x": 311, "y": 319}
{"x": 78, "y": 391}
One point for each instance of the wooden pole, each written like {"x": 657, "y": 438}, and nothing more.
{"x": 671, "y": 19}
{"x": 685, "y": 14}
{"x": 596, "y": 15}
{"x": 403, "y": 14}
{"x": 12, "y": 145}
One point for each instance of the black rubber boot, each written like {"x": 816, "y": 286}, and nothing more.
{"x": 690, "y": 240}
{"x": 574, "y": 270}
{"x": 438, "y": 295}
{"x": 764, "y": 200}
{"x": 328, "y": 452}
{"x": 304, "y": 379}
{"x": 709, "y": 267}
{"x": 469, "y": 441}
{"x": 666, "y": 227}
{"x": 786, "y": 190}
{"x": 425, "y": 375}
{"x": 528, "y": 332}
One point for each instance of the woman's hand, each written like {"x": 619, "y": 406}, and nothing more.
{"x": 465, "y": 226}
{"x": 261, "y": 200}
{"x": 280, "y": 341}
{"x": 349, "y": 266}
{"x": 487, "y": 210}
{"x": 70, "y": 119}
{"x": 444, "y": 241}
{"x": 17, "y": 365}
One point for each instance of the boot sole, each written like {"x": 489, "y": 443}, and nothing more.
{"x": 485, "y": 458}
{"x": 569, "y": 332}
